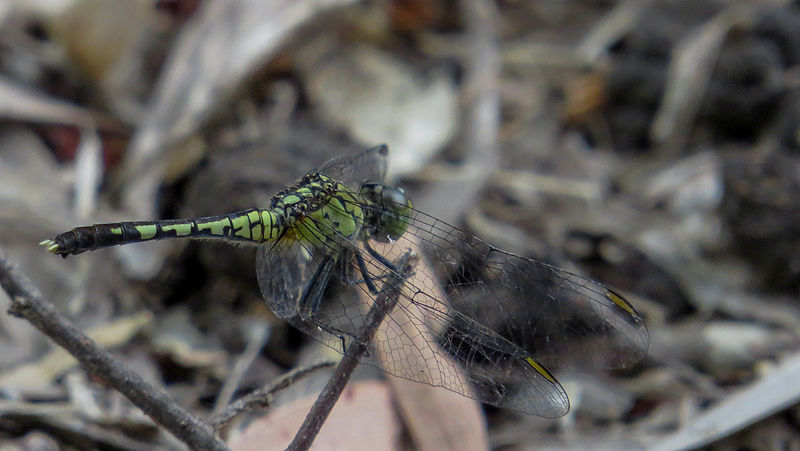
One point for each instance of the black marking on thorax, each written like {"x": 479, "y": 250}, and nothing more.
{"x": 309, "y": 194}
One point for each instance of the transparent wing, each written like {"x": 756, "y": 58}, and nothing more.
{"x": 560, "y": 318}
{"x": 424, "y": 339}
{"x": 494, "y": 312}
{"x": 352, "y": 170}
{"x": 293, "y": 275}
{"x": 284, "y": 269}
{"x": 413, "y": 341}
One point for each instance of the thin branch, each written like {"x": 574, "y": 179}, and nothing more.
{"x": 384, "y": 303}
{"x": 27, "y": 302}
{"x": 72, "y": 428}
{"x": 262, "y": 397}
{"x": 257, "y": 336}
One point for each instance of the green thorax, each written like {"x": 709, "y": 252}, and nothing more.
{"x": 318, "y": 210}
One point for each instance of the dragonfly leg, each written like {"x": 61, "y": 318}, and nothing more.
{"x": 336, "y": 333}
{"x": 351, "y": 280}
{"x": 362, "y": 267}
{"x": 365, "y": 274}
{"x": 380, "y": 258}
{"x": 368, "y": 279}
{"x": 311, "y": 299}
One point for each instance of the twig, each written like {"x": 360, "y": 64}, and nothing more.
{"x": 262, "y": 397}
{"x": 27, "y": 302}
{"x": 688, "y": 78}
{"x": 70, "y": 425}
{"x": 384, "y": 303}
{"x": 257, "y": 336}
{"x": 772, "y": 393}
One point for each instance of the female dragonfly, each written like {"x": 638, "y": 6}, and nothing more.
{"x": 505, "y": 319}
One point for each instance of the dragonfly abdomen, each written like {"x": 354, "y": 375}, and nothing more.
{"x": 253, "y": 226}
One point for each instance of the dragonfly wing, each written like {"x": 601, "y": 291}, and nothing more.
{"x": 294, "y": 275}
{"x": 424, "y": 341}
{"x": 353, "y": 170}
{"x": 284, "y": 269}
{"x": 505, "y": 319}
{"x": 293, "y": 272}
{"x": 560, "y": 318}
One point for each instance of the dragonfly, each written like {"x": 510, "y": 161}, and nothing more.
{"x": 470, "y": 317}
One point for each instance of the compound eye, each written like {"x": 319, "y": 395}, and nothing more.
{"x": 395, "y": 196}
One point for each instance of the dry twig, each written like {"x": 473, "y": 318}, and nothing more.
{"x": 27, "y": 302}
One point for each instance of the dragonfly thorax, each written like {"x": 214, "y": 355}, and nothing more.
{"x": 318, "y": 210}
{"x": 308, "y": 194}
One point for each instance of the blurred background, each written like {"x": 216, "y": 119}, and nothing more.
{"x": 652, "y": 145}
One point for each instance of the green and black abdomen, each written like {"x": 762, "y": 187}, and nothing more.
{"x": 89, "y": 238}
{"x": 250, "y": 226}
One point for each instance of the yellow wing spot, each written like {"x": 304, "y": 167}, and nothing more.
{"x": 620, "y": 302}
{"x": 540, "y": 369}
{"x": 147, "y": 231}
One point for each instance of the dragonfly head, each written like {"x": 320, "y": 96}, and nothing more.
{"x": 389, "y": 210}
